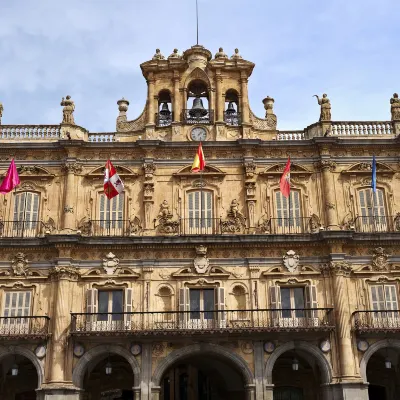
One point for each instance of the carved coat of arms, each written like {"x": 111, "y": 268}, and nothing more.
{"x": 380, "y": 259}
{"x": 201, "y": 262}
{"x": 19, "y": 265}
{"x": 110, "y": 263}
{"x": 291, "y": 261}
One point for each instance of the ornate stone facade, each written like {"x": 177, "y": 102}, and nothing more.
{"x": 186, "y": 267}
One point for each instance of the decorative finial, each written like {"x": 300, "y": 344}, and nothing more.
{"x": 236, "y": 56}
{"x": 325, "y": 104}
{"x": 175, "y": 54}
{"x": 394, "y": 109}
{"x": 158, "y": 55}
{"x": 68, "y": 110}
{"x": 122, "y": 106}
{"x": 220, "y": 54}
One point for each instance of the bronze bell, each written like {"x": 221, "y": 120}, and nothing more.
{"x": 230, "y": 110}
{"x": 165, "y": 110}
{"x": 197, "y": 109}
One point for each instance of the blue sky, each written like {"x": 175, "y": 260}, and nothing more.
{"x": 91, "y": 49}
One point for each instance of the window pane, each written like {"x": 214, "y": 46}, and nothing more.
{"x": 285, "y": 299}
{"x": 299, "y": 301}
{"x": 103, "y": 306}
{"x": 208, "y": 295}
{"x": 117, "y": 305}
{"x": 194, "y": 303}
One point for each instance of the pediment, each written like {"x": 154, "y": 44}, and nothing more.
{"x": 188, "y": 272}
{"x": 366, "y": 168}
{"x": 209, "y": 170}
{"x": 25, "y": 171}
{"x": 277, "y": 169}
{"x": 123, "y": 172}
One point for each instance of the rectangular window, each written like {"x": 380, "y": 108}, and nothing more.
{"x": 288, "y": 213}
{"x": 110, "y": 302}
{"x": 111, "y": 213}
{"x": 16, "y": 304}
{"x": 200, "y": 212}
{"x": 292, "y": 300}
{"x": 26, "y": 214}
{"x": 372, "y": 210}
{"x": 202, "y": 303}
{"x": 384, "y": 297}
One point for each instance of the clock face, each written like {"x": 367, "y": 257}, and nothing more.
{"x": 199, "y": 134}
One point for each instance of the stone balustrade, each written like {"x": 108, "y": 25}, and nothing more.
{"x": 290, "y": 135}
{"x": 101, "y": 137}
{"x": 29, "y": 132}
{"x": 360, "y": 128}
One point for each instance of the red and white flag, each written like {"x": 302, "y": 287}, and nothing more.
{"x": 285, "y": 180}
{"x": 113, "y": 186}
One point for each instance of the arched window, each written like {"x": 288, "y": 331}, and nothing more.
{"x": 288, "y": 214}
{"x": 111, "y": 214}
{"x": 164, "y": 115}
{"x": 200, "y": 213}
{"x": 372, "y": 211}
{"x": 26, "y": 214}
{"x": 231, "y": 114}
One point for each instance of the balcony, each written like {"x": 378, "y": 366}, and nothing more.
{"x": 189, "y": 119}
{"x": 373, "y": 321}
{"x": 163, "y": 120}
{"x": 233, "y": 118}
{"x": 21, "y": 229}
{"x": 202, "y": 322}
{"x": 36, "y": 327}
{"x": 200, "y": 226}
{"x": 375, "y": 224}
{"x": 102, "y": 227}
{"x": 289, "y": 226}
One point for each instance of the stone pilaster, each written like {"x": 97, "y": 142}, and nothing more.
{"x": 148, "y": 192}
{"x": 327, "y": 167}
{"x": 250, "y": 184}
{"x": 71, "y": 168}
{"x": 220, "y": 100}
{"x": 177, "y": 107}
{"x": 151, "y": 106}
{"x": 245, "y": 99}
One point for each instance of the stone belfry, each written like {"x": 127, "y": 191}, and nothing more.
{"x": 195, "y": 96}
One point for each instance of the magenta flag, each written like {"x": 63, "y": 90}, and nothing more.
{"x": 11, "y": 179}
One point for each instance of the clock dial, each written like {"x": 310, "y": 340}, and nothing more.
{"x": 199, "y": 134}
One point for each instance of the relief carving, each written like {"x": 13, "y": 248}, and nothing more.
{"x": 201, "y": 262}
{"x": 235, "y": 222}
{"x": 19, "y": 265}
{"x": 166, "y": 224}
{"x": 110, "y": 263}
{"x": 380, "y": 259}
{"x": 291, "y": 261}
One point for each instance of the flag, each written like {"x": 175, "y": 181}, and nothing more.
{"x": 113, "y": 186}
{"x": 285, "y": 180}
{"x": 199, "y": 162}
{"x": 11, "y": 179}
{"x": 373, "y": 181}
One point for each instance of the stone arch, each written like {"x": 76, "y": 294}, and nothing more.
{"x": 393, "y": 343}
{"x": 6, "y": 351}
{"x": 95, "y": 354}
{"x": 202, "y": 348}
{"x": 323, "y": 364}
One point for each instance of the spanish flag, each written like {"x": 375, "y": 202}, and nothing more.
{"x": 285, "y": 180}
{"x": 199, "y": 162}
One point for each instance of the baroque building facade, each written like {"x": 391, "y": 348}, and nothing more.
{"x": 201, "y": 286}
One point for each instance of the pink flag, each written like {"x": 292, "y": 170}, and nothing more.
{"x": 11, "y": 179}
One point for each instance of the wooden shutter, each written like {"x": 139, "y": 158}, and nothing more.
{"x": 102, "y": 207}
{"x": 391, "y": 297}
{"x": 220, "y": 303}
{"x": 184, "y": 304}
{"x": 311, "y": 300}
{"x": 295, "y": 209}
{"x": 377, "y": 297}
{"x": 128, "y": 308}
{"x": 191, "y": 208}
{"x": 275, "y": 300}
{"x": 19, "y": 204}
{"x": 17, "y": 304}
{"x": 92, "y": 304}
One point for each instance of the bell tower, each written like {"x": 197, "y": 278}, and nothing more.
{"x": 194, "y": 96}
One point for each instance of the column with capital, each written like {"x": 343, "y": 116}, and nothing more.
{"x": 69, "y": 220}
{"x": 177, "y": 108}
{"x": 244, "y": 99}
{"x": 327, "y": 167}
{"x": 151, "y": 106}
{"x": 220, "y": 99}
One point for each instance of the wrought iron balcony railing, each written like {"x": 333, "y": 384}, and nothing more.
{"x": 22, "y": 229}
{"x": 289, "y": 226}
{"x": 24, "y": 327}
{"x": 102, "y": 227}
{"x": 377, "y": 321}
{"x": 164, "y": 120}
{"x": 374, "y": 224}
{"x": 233, "y": 119}
{"x": 200, "y": 226}
{"x": 207, "y": 119}
{"x": 201, "y": 322}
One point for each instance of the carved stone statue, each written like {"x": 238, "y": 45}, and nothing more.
{"x": 68, "y": 110}
{"x": 236, "y": 222}
{"x": 165, "y": 222}
{"x": 234, "y": 209}
{"x": 110, "y": 263}
{"x": 325, "y": 104}
{"x": 395, "y": 107}
{"x": 19, "y": 264}
{"x": 236, "y": 55}
{"x": 175, "y": 54}
{"x": 158, "y": 55}
{"x": 397, "y": 222}
{"x": 164, "y": 210}
{"x": 1, "y": 111}
{"x": 291, "y": 261}
{"x": 220, "y": 54}
{"x": 314, "y": 224}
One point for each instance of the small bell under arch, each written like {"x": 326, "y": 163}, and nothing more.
{"x": 165, "y": 112}
{"x": 231, "y": 109}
